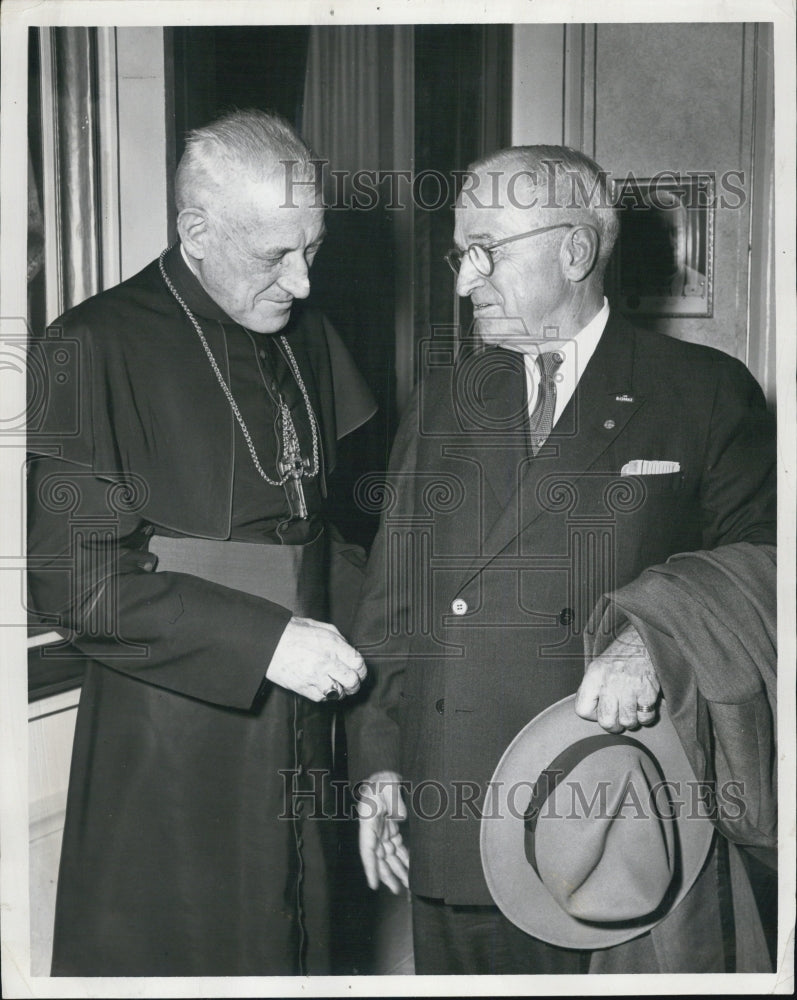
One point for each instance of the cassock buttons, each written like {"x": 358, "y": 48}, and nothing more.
{"x": 459, "y": 607}
{"x": 608, "y": 424}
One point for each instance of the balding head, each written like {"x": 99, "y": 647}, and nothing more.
{"x": 556, "y": 184}
{"x": 232, "y": 153}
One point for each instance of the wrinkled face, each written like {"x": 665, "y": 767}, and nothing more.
{"x": 525, "y": 299}
{"x": 257, "y": 253}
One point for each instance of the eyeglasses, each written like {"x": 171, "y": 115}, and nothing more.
{"x": 481, "y": 256}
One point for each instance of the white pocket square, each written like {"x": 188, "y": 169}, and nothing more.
{"x": 648, "y": 467}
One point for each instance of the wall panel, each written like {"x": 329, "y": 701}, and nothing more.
{"x": 677, "y": 97}
{"x": 644, "y": 98}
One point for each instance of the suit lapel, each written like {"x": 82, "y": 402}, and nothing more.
{"x": 601, "y": 407}
{"x": 491, "y": 426}
{"x": 505, "y": 405}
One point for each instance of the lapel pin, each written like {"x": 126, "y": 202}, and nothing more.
{"x": 624, "y": 398}
{"x": 608, "y": 424}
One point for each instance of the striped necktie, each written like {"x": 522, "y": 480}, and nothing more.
{"x": 541, "y": 421}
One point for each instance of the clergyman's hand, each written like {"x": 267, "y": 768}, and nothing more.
{"x": 382, "y": 850}
{"x": 620, "y": 687}
{"x": 312, "y": 658}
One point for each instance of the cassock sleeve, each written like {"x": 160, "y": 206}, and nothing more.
{"x": 91, "y": 575}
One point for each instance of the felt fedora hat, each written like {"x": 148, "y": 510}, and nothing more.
{"x": 589, "y": 839}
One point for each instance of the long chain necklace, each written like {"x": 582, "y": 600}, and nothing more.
{"x": 292, "y": 466}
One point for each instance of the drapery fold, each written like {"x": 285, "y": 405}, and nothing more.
{"x": 75, "y": 216}
{"x": 341, "y": 119}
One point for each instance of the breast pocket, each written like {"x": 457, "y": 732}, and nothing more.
{"x": 662, "y": 482}
{"x": 624, "y": 498}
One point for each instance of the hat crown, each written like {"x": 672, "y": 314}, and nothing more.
{"x": 603, "y": 849}
{"x": 643, "y": 858}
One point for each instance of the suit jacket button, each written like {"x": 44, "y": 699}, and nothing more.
{"x": 459, "y": 607}
{"x": 440, "y": 705}
{"x": 567, "y": 616}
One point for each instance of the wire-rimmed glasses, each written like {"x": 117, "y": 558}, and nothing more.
{"x": 481, "y": 256}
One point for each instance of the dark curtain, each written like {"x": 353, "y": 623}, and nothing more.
{"x": 348, "y": 120}
{"x": 463, "y": 111}
{"x": 218, "y": 69}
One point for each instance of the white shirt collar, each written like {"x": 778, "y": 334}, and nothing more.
{"x": 576, "y": 353}
{"x": 591, "y": 333}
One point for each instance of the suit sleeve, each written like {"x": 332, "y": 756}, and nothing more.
{"x": 372, "y": 722}
{"x": 92, "y": 576}
{"x": 738, "y": 493}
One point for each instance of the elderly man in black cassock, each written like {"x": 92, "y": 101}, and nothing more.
{"x": 178, "y": 538}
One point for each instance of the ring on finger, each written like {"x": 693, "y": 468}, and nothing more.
{"x": 334, "y": 693}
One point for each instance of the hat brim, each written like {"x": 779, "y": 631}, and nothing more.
{"x": 514, "y": 885}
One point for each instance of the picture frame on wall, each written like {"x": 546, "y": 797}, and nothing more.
{"x": 664, "y": 264}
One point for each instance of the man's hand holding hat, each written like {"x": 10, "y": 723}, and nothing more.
{"x": 620, "y": 687}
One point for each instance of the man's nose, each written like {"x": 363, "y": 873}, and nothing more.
{"x": 295, "y": 278}
{"x": 468, "y": 277}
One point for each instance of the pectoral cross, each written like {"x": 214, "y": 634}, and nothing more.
{"x": 292, "y": 466}
{"x": 294, "y": 490}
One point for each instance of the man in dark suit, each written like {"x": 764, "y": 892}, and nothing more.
{"x": 177, "y": 538}
{"x": 553, "y": 460}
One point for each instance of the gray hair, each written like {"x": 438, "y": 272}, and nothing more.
{"x": 564, "y": 180}
{"x": 241, "y": 145}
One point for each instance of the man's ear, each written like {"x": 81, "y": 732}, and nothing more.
{"x": 580, "y": 251}
{"x": 192, "y": 226}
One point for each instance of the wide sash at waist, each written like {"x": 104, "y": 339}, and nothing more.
{"x": 294, "y": 576}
